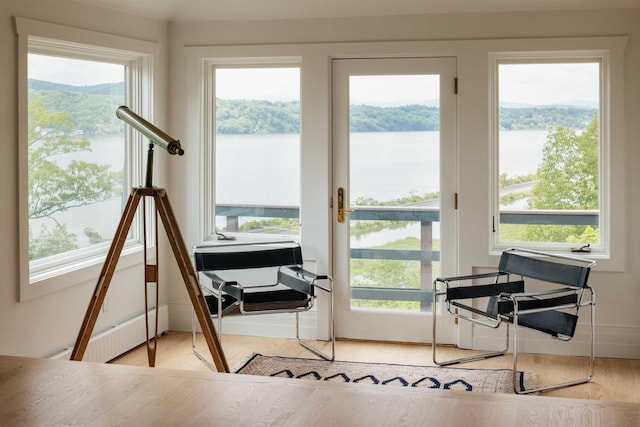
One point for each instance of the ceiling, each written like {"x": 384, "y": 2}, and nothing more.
{"x": 242, "y": 10}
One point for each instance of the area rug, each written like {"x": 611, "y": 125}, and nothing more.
{"x": 480, "y": 380}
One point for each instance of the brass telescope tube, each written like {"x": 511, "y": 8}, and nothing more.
{"x": 155, "y": 135}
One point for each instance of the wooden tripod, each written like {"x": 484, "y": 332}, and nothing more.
{"x": 162, "y": 207}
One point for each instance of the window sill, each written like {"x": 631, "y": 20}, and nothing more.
{"x": 604, "y": 261}
{"x": 86, "y": 271}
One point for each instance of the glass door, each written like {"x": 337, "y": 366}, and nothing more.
{"x": 394, "y": 136}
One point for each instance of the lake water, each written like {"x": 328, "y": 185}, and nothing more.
{"x": 264, "y": 170}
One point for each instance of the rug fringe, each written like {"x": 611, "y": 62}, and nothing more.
{"x": 243, "y": 362}
{"x": 530, "y": 380}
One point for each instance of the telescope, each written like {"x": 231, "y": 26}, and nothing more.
{"x": 151, "y": 271}
{"x": 155, "y": 135}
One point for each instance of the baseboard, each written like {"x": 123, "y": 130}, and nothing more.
{"x": 610, "y": 341}
{"x": 280, "y": 325}
{"x": 119, "y": 339}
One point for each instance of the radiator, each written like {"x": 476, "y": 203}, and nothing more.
{"x": 120, "y": 338}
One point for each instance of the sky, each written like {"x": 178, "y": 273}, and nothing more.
{"x": 543, "y": 84}
{"x": 394, "y": 90}
{"x": 283, "y": 84}
{"x": 526, "y": 84}
{"x": 72, "y": 71}
{"x": 272, "y": 84}
{"x": 530, "y": 84}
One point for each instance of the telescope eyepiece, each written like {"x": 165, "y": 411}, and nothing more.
{"x": 175, "y": 148}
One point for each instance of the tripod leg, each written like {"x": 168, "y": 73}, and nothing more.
{"x": 190, "y": 279}
{"x": 106, "y": 274}
{"x": 151, "y": 278}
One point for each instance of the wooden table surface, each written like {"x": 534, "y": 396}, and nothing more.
{"x": 41, "y": 392}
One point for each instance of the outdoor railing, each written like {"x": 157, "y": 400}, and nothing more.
{"x": 426, "y": 216}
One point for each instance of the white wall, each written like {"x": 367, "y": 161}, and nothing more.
{"x": 44, "y": 325}
{"x": 618, "y": 320}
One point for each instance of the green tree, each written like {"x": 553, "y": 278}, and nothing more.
{"x": 51, "y": 241}
{"x": 567, "y": 179}
{"x": 56, "y": 186}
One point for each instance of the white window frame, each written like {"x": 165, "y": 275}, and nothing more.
{"x": 609, "y": 252}
{"x": 207, "y": 116}
{"x": 61, "y": 271}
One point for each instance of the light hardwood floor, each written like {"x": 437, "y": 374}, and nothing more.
{"x": 614, "y": 379}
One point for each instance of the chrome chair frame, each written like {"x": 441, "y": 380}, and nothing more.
{"x": 488, "y": 321}
{"x": 512, "y": 302}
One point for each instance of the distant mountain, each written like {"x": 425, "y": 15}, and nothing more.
{"x": 91, "y": 108}
{"x": 574, "y": 104}
{"x": 545, "y": 118}
{"x": 99, "y": 89}
{"x": 367, "y": 118}
{"x": 401, "y": 103}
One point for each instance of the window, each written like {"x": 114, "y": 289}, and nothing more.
{"x": 257, "y": 149}
{"x": 76, "y": 157}
{"x": 551, "y": 148}
{"x": 78, "y": 161}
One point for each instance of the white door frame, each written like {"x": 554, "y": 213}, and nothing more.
{"x": 399, "y": 326}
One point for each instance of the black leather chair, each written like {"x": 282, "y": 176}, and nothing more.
{"x": 260, "y": 278}
{"x": 552, "y": 309}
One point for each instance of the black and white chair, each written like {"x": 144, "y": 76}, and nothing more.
{"x": 505, "y": 297}
{"x": 260, "y": 278}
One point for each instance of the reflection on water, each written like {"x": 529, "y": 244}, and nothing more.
{"x": 382, "y": 237}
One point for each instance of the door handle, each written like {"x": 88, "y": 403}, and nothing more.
{"x": 341, "y": 209}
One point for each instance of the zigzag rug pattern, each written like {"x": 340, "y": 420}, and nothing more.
{"x": 478, "y": 380}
